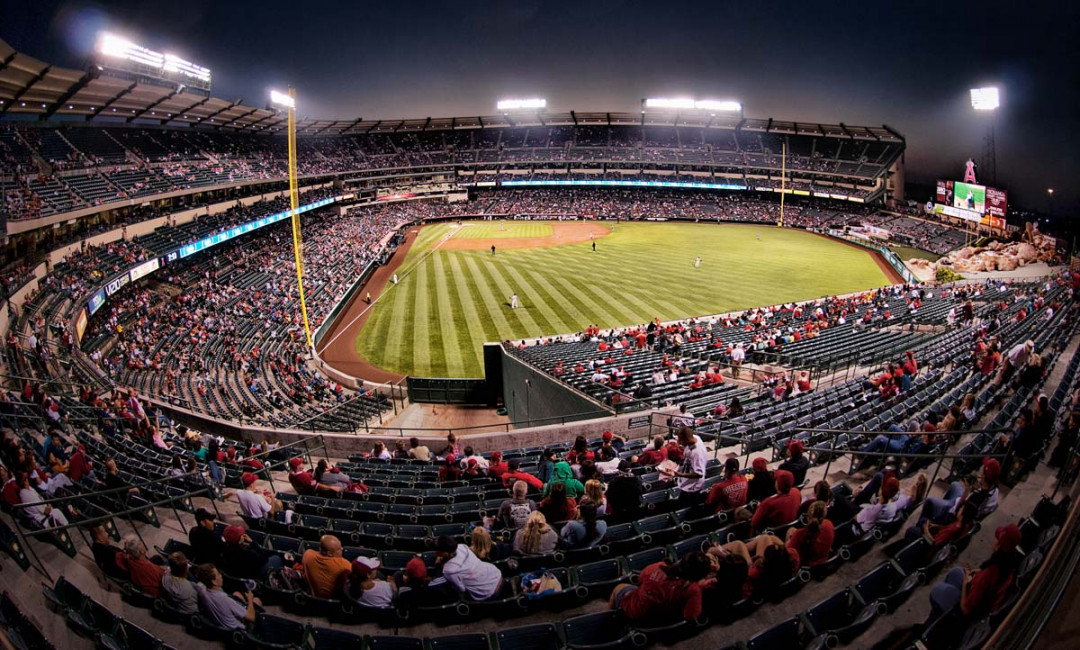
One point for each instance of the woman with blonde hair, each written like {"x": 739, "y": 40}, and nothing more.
{"x": 536, "y": 538}
{"x": 594, "y": 493}
{"x": 481, "y": 544}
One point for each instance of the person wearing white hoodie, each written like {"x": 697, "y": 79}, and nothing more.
{"x": 465, "y": 572}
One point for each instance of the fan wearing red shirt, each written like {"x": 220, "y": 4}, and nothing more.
{"x": 781, "y": 508}
{"x": 813, "y": 541}
{"x": 731, "y": 492}
{"x": 497, "y": 467}
{"x": 977, "y": 594}
{"x": 514, "y": 473}
{"x": 665, "y": 591}
{"x": 655, "y": 454}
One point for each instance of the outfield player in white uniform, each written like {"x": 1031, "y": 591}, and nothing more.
{"x": 697, "y": 263}
{"x": 513, "y": 301}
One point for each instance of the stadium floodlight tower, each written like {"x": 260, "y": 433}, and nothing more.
{"x": 119, "y": 55}
{"x": 534, "y": 103}
{"x": 712, "y": 106}
{"x": 987, "y": 100}
{"x": 287, "y": 101}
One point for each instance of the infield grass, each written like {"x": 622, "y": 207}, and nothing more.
{"x": 449, "y": 303}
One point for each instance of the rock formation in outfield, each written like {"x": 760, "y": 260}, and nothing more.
{"x": 996, "y": 256}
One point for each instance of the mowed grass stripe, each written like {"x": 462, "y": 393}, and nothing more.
{"x": 522, "y": 317}
{"x": 496, "y": 307}
{"x": 651, "y": 277}
{"x": 479, "y": 324}
{"x": 587, "y": 267}
{"x": 543, "y": 312}
{"x": 421, "y": 329}
{"x": 568, "y": 317}
{"x": 459, "y": 343}
{"x": 437, "y": 328}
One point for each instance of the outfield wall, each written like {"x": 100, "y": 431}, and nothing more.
{"x": 529, "y": 394}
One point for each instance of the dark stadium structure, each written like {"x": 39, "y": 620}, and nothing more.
{"x": 181, "y": 373}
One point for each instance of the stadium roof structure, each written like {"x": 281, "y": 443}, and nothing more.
{"x": 32, "y": 87}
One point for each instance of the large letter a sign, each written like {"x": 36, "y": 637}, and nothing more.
{"x": 969, "y": 171}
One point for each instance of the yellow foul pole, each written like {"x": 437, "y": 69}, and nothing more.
{"x": 783, "y": 180}
{"x": 294, "y": 204}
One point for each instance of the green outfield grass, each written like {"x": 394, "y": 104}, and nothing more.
{"x": 503, "y": 229}
{"x": 448, "y": 303}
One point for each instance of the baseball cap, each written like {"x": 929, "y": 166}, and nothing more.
{"x": 760, "y": 464}
{"x": 496, "y": 456}
{"x": 450, "y": 458}
{"x": 248, "y": 478}
{"x": 607, "y": 436}
{"x": 784, "y": 480}
{"x": 1008, "y": 537}
{"x": 202, "y": 514}
{"x": 416, "y": 569}
{"x": 889, "y": 488}
{"x": 731, "y": 465}
{"x": 366, "y": 565}
{"x": 991, "y": 469}
{"x": 233, "y": 534}
{"x": 295, "y": 462}
{"x": 795, "y": 446}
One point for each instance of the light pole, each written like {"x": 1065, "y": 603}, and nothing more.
{"x": 288, "y": 102}
{"x": 988, "y": 100}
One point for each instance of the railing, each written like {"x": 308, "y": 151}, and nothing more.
{"x": 63, "y": 532}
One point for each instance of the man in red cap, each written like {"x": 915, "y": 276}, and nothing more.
{"x": 779, "y": 509}
{"x": 796, "y": 463}
{"x": 254, "y": 504}
{"x": 981, "y": 490}
{"x": 302, "y": 481}
{"x": 762, "y": 485}
{"x": 241, "y": 559}
{"x": 497, "y": 467}
{"x": 978, "y": 593}
{"x": 514, "y": 474}
{"x": 877, "y": 501}
{"x": 78, "y": 465}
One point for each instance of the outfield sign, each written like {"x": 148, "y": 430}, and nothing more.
{"x": 144, "y": 269}
{"x": 662, "y": 184}
{"x": 226, "y": 235}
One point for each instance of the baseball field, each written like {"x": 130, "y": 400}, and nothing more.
{"x": 454, "y": 294}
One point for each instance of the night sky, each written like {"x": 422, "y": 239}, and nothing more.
{"x": 906, "y": 64}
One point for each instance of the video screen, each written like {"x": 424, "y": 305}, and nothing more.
{"x": 969, "y": 197}
{"x": 944, "y": 192}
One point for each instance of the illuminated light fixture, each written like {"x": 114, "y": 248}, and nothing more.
{"x": 985, "y": 99}
{"x": 687, "y": 103}
{"x": 282, "y": 99}
{"x": 114, "y": 46}
{"x": 521, "y": 104}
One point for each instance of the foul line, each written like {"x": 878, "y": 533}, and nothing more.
{"x": 387, "y": 289}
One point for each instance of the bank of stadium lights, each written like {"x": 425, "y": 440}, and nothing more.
{"x": 690, "y": 104}
{"x": 115, "y": 47}
{"x": 281, "y": 99}
{"x": 535, "y": 103}
{"x": 985, "y": 99}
